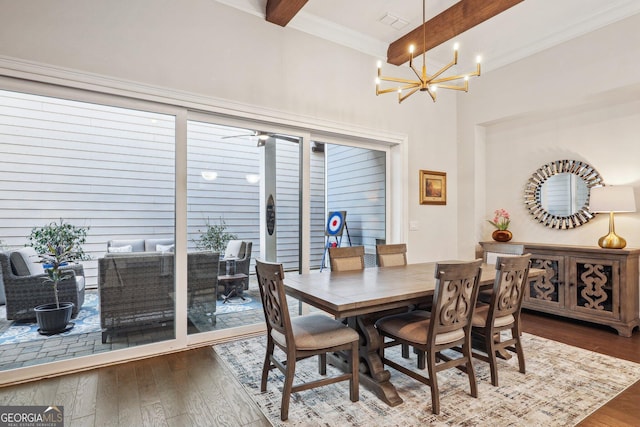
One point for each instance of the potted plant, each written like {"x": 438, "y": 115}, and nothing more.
{"x": 214, "y": 238}
{"x": 60, "y": 234}
{"x": 501, "y": 221}
{"x": 54, "y": 317}
{"x": 58, "y": 245}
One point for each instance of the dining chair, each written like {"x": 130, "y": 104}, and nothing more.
{"x": 348, "y": 258}
{"x": 491, "y": 252}
{"x": 301, "y": 337}
{"x": 447, "y": 326}
{"x": 391, "y": 255}
{"x": 502, "y": 313}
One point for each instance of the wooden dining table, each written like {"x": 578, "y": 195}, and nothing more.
{"x": 361, "y": 297}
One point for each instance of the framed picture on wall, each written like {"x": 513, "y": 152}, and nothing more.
{"x": 433, "y": 188}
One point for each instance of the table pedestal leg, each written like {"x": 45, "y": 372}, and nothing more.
{"x": 372, "y": 373}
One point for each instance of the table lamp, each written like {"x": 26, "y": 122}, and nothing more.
{"x": 612, "y": 199}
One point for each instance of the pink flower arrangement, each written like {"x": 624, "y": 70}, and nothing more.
{"x": 501, "y": 219}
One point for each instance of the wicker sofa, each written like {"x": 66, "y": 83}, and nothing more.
{"x": 137, "y": 288}
{"x": 23, "y": 280}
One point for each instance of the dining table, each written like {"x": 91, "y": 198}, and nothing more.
{"x": 361, "y": 297}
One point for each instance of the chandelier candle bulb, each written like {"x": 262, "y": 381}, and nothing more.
{"x": 424, "y": 82}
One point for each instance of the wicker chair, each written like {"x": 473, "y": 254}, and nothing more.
{"x": 243, "y": 264}
{"x": 23, "y": 293}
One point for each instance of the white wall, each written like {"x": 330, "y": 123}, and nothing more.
{"x": 205, "y": 48}
{"x": 579, "y": 100}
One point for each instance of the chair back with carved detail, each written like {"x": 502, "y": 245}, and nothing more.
{"x": 509, "y": 287}
{"x": 501, "y": 314}
{"x": 274, "y": 299}
{"x": 454, "y": 299}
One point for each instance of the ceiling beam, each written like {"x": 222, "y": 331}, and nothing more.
{"x": 280, "y": 12}
{"x": 457, "y": 19}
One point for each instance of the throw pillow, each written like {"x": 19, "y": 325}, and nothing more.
{"x": 165, "y": 248}
{"x": 233, "y": 249}
{"x": 120, "y": 249}
{"x": 26, "y": 262}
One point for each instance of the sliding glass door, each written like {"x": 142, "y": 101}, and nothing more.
{"x": 242, "y": 194}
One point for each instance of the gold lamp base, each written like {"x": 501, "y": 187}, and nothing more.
{"x": 612, "y": 240}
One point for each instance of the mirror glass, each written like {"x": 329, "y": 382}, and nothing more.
{"x": 557, "y": 194}
{"x": 564, "y": 194}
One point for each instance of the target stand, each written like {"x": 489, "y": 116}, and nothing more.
{"x": 336, "y": 225}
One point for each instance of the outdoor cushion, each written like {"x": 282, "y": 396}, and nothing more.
{"x": 165, "y": 248}
{"x": 120, "y": 249}
{"x": 151, "y": 245}
{"x": 234, "y": 249}
{"x": 26, "y": 262}
{"x": 137, "y": 245}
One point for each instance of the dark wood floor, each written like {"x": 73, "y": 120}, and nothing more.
{"x": 622, "y": 411}
{"x": 192, "y": 388}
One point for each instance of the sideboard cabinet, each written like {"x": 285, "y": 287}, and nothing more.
{"x": 586, "y": 282}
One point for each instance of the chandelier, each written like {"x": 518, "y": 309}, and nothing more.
{"x": 425, "y": 82}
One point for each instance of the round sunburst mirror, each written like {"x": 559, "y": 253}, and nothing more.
{"x": 557, "y": 194}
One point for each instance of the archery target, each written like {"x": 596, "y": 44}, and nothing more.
{"x": 335, "y": 223}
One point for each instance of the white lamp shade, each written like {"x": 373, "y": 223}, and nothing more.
{"x": 612, "y": 199}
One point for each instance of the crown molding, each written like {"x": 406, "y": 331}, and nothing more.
{"x": 593, "y": 22}
{"x": 321, "y": 28}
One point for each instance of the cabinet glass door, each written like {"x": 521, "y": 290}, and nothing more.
{"x": 595, "y": 284}
{"x": 548, "y": 290}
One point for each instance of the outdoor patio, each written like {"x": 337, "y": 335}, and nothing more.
{"x": 58, "y": 347}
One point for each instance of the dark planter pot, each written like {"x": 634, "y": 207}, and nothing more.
{"x": 53, "y": 320}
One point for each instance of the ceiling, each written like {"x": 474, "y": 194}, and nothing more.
{"x": 524, "y": 29}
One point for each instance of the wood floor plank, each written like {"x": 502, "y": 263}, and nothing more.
{"x": 147, "y": 387}
{"x": 170, "y": 386}
{"x": 45, "y": 392}
{"x": 107, "y": 398}
{"x": 153, "y": 415}
{"x": 66, "y": 395}
{"x": 86, "y": 393}
{"x": 129, "y": 411}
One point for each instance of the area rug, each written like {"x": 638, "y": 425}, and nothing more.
{"x": 251, "y": 301}
{"x": 88, "y": 320}
{"x": 562, "y": 386}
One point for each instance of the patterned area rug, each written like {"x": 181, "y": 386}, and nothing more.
{"x": 251, "y": 301}
{"x": 563, "y": 385}
{"x": 88, "y": 320}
